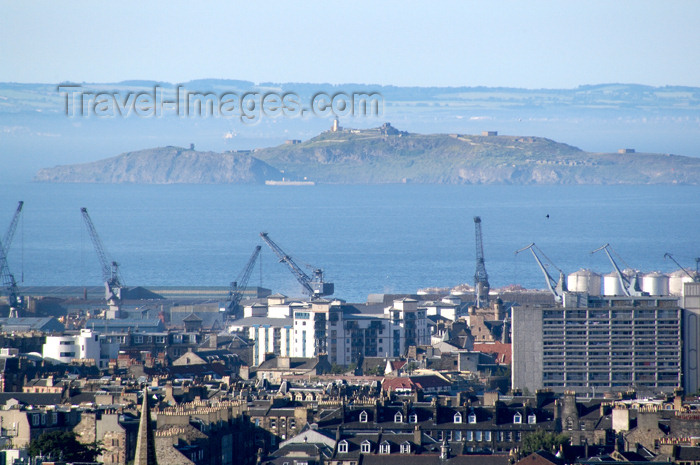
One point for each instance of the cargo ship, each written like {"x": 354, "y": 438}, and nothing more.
{"x": 286, "y": 182}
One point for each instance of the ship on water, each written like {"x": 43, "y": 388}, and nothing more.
{"x": 288, "y": 182}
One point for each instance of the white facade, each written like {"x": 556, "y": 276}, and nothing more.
{"x": 338, "y": 330}
{"x": 269, "y": 338}
{"x": 84, "y": 346}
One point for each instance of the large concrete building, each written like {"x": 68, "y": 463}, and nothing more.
{"x": 691, "y": 336}
{"x": 598, "y": 344}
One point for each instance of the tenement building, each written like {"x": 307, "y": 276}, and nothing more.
{"x": 598, "y": 344}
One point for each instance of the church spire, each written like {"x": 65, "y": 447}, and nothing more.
{"x": 145, "y": 443}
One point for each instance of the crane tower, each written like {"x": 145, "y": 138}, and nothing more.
{"x": 315, "y": 286}
{"x": 238, "y": 286}
{"x": 557, "y": 288}
{"x": 6, "y": 277}
{"x": 110, "y": 268}
{"x": 481, "y": 278}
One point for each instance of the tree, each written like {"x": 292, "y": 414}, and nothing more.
{"x": 543, "y": 440}
{"x": 63, "y": 445}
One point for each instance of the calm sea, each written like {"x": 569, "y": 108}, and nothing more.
{"x": 368, "y": 239}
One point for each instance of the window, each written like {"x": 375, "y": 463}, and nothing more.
{"x": 478, "y": 436}
{"x": 385, "y": 447}
{"x": 413, "y": 418}
{"x": 470, "y": 435}
{"x": 458, "y": 417}
{"x": 487, "y": 436}
{"x": 343, "y": 447}
{"x": 471, "y": 418}
{"x": 531, "y": 419}
{"x": 398, "y": 418}
{"x": 365, "y": 447}
{"x": 517, "y": 418}
{"x": 405, "y": 447}
{"x": 363, "y": 417}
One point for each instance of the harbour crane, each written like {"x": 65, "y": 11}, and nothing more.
{"x": 238, "y": 286}
{"x": 315, "y": 286}
{"x": 9, "y": 284}
{"x": 695, "y": 278}
{"x": 10, "y": 233}
{"x": 481, "y": 278}
{"x": 557, "y": 288}
{"x": 8, "y": 280}
{"x": 630, "y": 286}
{"x": 110, "y": 268}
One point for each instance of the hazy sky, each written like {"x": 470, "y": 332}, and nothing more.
{"x": 529, "y": 44}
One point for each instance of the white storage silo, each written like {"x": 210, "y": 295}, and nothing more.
{"x": 612, "y": 285}
{"x": 584, "y": 281}
{"x": 655, "y": 283}
{"x": 676, "y": 281}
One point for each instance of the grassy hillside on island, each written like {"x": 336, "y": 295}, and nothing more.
{"x": 166, "y": 165}
{"x": 386, "y": 155}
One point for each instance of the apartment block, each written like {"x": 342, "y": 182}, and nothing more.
{"x": 598, "y": 344}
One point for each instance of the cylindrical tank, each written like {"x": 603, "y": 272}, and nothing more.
{"x": 611, "y": 285}
{"x": 655, "y": 283}
{"x": 584, "y": 281}
{"x": 676, "y": 281}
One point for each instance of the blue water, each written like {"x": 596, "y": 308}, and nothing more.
{"x": 368, "y": 239}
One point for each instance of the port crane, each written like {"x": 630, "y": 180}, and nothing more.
{"x": 630, "y": 286}
{"x": 557, "y": 288}
{"x": 110, "y": 268}
{"x": 9, "y": 284}
{"x": 481, "y": 278}
{"x": 10, "y": 233}
{"x": 315, "y": 286}
{"x": 8, "y": 280}
{"x": 695, "y": 278}
{"x": 239, "y": 285}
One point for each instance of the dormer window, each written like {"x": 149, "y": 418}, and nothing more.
{"x": 385, "y": 447}
{"x": 471, "y": 418}
{"x": 458, "y": 418}
{"x": 405, "y": 447}
{"x": 531, "y": 419}
{"x": 413, "y": 418}
{"x": 398, "y": 418}
{"x": 366, "y": 447}
{"x": 363, "y": 417}
{"x": 517, "y": 418}
{"x": 343, "y": 447}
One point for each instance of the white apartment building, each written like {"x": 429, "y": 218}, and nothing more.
{"x": 86, "y": 345}
{"x": 334, "y": 328}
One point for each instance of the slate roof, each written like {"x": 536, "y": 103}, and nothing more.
{"x": 28, "y": 398}
{"x": 434, "y": 459}
{"x": 540, "y": 458}
{"x": 44, "y": 324}
{"x": 133, "y": 325}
